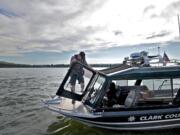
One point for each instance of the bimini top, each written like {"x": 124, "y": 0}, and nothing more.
{"x": 145, "y": 73}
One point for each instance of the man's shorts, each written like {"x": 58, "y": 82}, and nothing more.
{"x": 75, "y": 77}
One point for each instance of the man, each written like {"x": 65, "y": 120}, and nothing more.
{"x": 111, "y": 95}
{"x": 77, "y": 71}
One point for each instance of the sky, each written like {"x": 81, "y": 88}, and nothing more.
{"x": 51, "y": 31}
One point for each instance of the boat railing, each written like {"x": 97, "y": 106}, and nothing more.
{"x": 156, "y": 60}
{"x": 115, "y": 68}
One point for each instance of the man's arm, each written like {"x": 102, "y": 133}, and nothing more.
{"x": 73, "y": 60}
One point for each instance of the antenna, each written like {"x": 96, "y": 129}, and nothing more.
{"x": 178, "y": 24}
{"x": 158, "y": 54}
{"x": 158, "y": 50}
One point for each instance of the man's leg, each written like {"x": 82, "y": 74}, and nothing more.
{"x": 73, "y": 88}
{"x": 82, "y": 86}
{"x": 81, "y": 81}
{"x": 73, "y": 91}
{"x": 73, "y": 82}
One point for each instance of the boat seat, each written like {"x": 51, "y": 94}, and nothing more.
{"x": 123, "y": 91}
{"x": 132, "y": 98}
{"x": 176, "y": 100}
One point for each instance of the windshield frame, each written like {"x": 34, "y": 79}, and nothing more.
{"x": 101, "y": 91}
{"x": 68, "y": 94}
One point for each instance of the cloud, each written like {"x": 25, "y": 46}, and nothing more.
{"x": 46, "y": 25}
{"x": 72, "y": 25}
{"x": 7, "y": 13}
{"x": 118, "y": 32}
{"x": 171, "y": 10}
{"x": 168, "y": 11}
{"x": 157, "y": 35}
{"x": 148, "y": 8}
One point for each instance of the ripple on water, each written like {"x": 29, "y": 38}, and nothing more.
{"x": 72, "y": 127}
{"x": 21, "y": 111}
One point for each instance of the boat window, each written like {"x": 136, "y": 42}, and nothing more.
{"x": 152, "y": 84}
{"x": 78, "y": 79}
{"x": 176, "y": 85}
{"x": 125, "y": 82}
{"x": 95, "y": 89}
{"x": 157, "y": 84}
{"x": 148, "y": 92}
{"x": 121, "y": 82}
{"x": 131, "y": 82}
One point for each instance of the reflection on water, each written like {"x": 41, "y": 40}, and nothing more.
{"x": 67, "y": 126}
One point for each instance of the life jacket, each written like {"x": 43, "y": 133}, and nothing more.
{"x": 77, "y": 69}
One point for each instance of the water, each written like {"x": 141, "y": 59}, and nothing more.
{"x": 22, "y": 112}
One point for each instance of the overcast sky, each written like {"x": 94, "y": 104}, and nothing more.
{"x": 50, "y": 31}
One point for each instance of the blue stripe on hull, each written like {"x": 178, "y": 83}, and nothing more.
{"x": 163, "y": 124}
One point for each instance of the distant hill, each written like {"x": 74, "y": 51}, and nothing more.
{"x": 4, "y": 64}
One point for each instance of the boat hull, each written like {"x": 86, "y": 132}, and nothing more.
{"x": 142, "y": 119}
{"x": 150, "y": 125}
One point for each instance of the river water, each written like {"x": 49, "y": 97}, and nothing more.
{"x": 22, "y": 112}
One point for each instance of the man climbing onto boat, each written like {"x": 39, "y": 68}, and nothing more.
{"x": 77, "y": 72}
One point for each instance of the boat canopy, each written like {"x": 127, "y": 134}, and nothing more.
{"x": 145, "y": 73}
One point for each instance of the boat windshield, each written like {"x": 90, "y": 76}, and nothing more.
{"x": 76, "y": 81}
{"x": 94, "y": 90}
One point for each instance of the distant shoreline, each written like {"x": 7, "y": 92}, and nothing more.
{"x": 12, "y": 65}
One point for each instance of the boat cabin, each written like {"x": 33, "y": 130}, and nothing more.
{"x": 123, "y": 87}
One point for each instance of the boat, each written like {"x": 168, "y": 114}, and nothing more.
{"x": 146, "y": 97}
